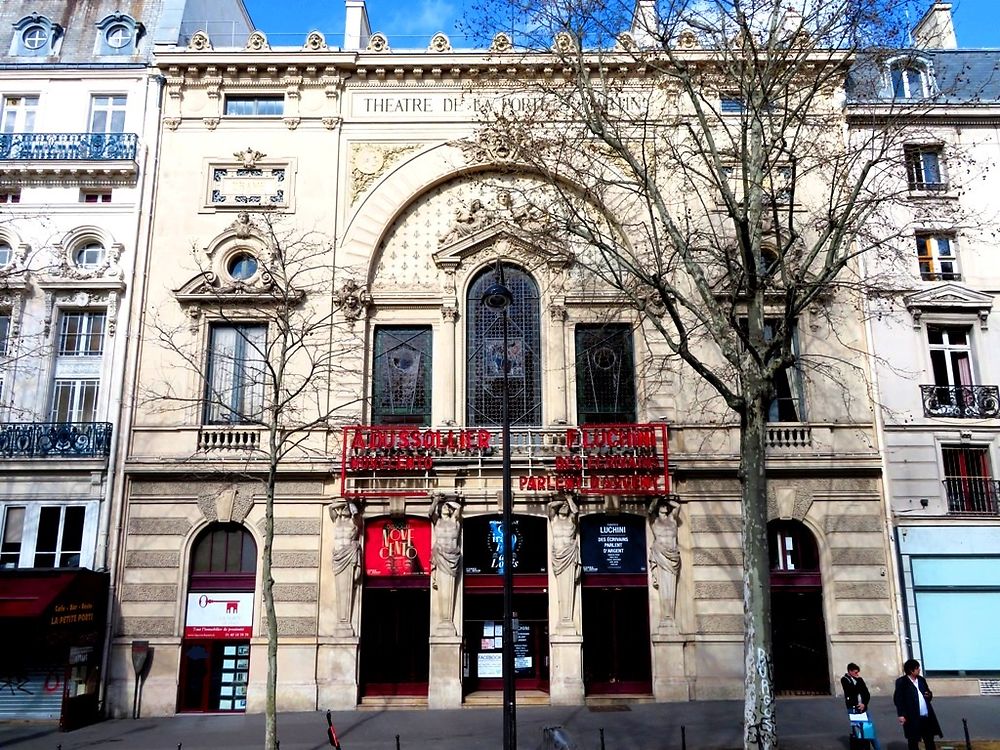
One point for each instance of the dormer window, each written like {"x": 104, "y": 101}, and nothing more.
{"x": 36, "y": 36}
{"x": 118, "y": 34}
{"x": 909, "y": 80}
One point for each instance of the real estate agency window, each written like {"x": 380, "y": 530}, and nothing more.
{"x": 261, "y": 105}
{"x": 937, "y": 257}
{"x": 236, "y": 373}
{"x": 605, "y": 374}
{"x": 401, "y": 376}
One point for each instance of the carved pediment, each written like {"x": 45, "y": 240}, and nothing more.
{"x": 210, "y": 287}
{"x": 950, "y": 298}
{"x": 498, "y": 239}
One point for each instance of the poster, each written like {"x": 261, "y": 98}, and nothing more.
{"x": 219, "y": 615}
{"x": 613, "y": 544}
{"x": 397, "y": 547}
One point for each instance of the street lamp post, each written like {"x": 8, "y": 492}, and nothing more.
{"x": 498, "y": 298}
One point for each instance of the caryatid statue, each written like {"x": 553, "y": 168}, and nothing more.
{"x": 664, "y": 556}
{"x": 446, "y": 559}
{"x": 346, "y": 561}
{"x": 563, "y": 515}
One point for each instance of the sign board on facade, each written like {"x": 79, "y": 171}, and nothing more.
{"x": 219, "y": 615}
{"x": 398, "y": 547}
{"x": 597, "y": 460}
{"x": 483, "y": 542}
{"x": 613, "y": 544}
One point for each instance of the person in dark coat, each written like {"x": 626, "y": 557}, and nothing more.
{"x": 913, "y": 697}
{"x": 856, "y": 694}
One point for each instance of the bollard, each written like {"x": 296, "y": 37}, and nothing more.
{"x": 397, "y": 742}
{"x": 968, "y": 742}
{"x": 684, "y": 739}
{"x": 556, "y": 738}
{"x": 602, "y": 738}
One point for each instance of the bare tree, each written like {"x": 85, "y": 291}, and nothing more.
{"x": 698, "y": 167}
{"x": 281, "y": 342}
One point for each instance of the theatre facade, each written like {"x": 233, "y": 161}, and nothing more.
{"x": 388, "y": 543}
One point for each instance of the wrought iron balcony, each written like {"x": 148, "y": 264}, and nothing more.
{"x": 55, "y": 439}
{"x": 961, "y": 401}
{"x": 974, "y": 496}
{"x": 68, "y": 146}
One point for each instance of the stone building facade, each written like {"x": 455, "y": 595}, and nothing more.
{"x": 627, "y": 582}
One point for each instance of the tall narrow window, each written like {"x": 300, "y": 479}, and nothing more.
{"x": 236, "y": 374}
{"x": 74, "y": 400}
{"x": 11, "y": 536}
{"x": 76, "y": 379}
{"x": 923, "y": 168}
{"x": 107, "y": 114}
{"x": 19, "y": 114}
{"x": 936, "y": 258}
{"x": 81, "y": 334}
{"x": 969, "y": 484}
{"x": 605, "y": 374}
{"x": 907, "y": 81}
{"x": 484, "y": 366}
{"x": 951, "y": 355}
{"x": 788, "y": 404}
{"x": 4, "y": 332}
{"x": 401, "y": 381}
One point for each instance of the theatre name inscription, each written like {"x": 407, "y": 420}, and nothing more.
{"x": 436, "y": 104}
{"x": 628, "y": 459}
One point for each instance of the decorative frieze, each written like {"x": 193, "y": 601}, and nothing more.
{"x": 369, "y": 161}
{"x": 248, "y": 183}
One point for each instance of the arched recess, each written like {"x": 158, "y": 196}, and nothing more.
{"x": 798, "y": 627}
{"x": 218, "y": 624}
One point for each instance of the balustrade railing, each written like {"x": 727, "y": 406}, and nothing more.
{"x": 55, "y": 439}
{"x": 961, "y": 401}
{"x": 972, "y": 495}
{"x": 69, "y": 146}
{"x": 229, "y": 438}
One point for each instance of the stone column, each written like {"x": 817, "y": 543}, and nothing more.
{"x": 445, "y": 373}
{"x": 445, "y": 688}
{"x": 557, "y": 364}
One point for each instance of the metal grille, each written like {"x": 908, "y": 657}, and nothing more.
{"x": 605, "y": 374}
{"x": 968, "y": 483}
{"x": 484, "y": 366}
{"x": 401, "y": 381}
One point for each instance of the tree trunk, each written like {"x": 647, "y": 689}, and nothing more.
{"x": 759, "y": 726}
{"x": 270, "y": 709}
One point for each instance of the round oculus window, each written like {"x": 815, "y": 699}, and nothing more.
{"x": 118, "y": 36}
{"x": 89, "y": 256}
{"x": 34, "y": 37}
{"x": 242, "y": 266}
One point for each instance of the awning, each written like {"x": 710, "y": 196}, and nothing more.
{"x": 30, "y": 594}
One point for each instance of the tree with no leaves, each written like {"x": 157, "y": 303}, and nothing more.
{"x": 698, "y": 167}
{"x": 281, "y": 338}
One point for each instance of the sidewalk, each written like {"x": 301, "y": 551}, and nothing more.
{"x": 803, "y": 723}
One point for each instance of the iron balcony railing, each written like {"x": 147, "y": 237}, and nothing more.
{"x": 55, "y": 439}
{"x": 961, "y": 401}
{"x": 975, "y": 496}
{"x": 68, "y": 146}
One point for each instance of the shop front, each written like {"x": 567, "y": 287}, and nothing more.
{"x": 485, "y": 559}
{"x": 50, "y": 661}
{"x": 395, "y": 607}
{"x": 615, "y": 596}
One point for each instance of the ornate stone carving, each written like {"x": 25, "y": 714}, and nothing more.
{"x": 257, "y": 42}
{"x": 439, "y": 43}
{"x": 564, "y": 43}
{"x": 82, "y": 299}
{"x": 332, "y": 122}
{"x": 210, "y": 122}
{"x": 249, "y": 157}
{"x": 200, "y": 42}
{"x": 563, "y": 514}
{"x": 291, "y": 122}
{"x": 229, "y": 504}
{"x": 315, "y": 42}
{"x": 449, "y": 314}
{"x": 446, "y": 559}
{"x": 346, "y": 539}
{"x": 369, "y": 161}
{"x": 625, "y": 42}
{"x": 665, "y": 557}
{"x": 488, "y": 147}
{"x": 557, "y": 313}
{"x": 687, "y": 39}
{"x": 243, "y": 226}
{"x": 502, "y": 43}
{"x": 172, "y": 123}
{"x": 378, "y": 42}
{"x": 353, "y": 300}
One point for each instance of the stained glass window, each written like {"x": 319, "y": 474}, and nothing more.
{"x": 485, "y": 355}
{"x": 605, "y": 374}
{"x": 401, "y": 381}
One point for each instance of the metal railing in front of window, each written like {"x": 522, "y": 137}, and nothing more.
{"x": 51, "y": 439}
{"x": 930, "y": 187}
{"x": 961, "y": 401}
{"x": 975, "y": 496}
{"x": 69, "y": 146}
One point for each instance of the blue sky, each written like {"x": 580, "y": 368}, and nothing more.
{"x": 409, "y": 23}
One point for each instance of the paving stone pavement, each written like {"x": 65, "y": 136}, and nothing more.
{"x": 803, "y": 724}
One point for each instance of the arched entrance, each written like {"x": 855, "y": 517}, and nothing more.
{"x": 798, "y": 630}
{"x": 215, "y": 652}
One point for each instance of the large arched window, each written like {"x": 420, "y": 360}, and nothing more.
{"x": 484, "y": 363}
{"x": 224, "y": 557}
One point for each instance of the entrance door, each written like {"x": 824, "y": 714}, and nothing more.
{"x": 798, "y": 630}
{"x": 395, "y": 637}
{"x": 616, "y": 651}
{"x": 214, "y": 676}
{"x": 483, "y": 641}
